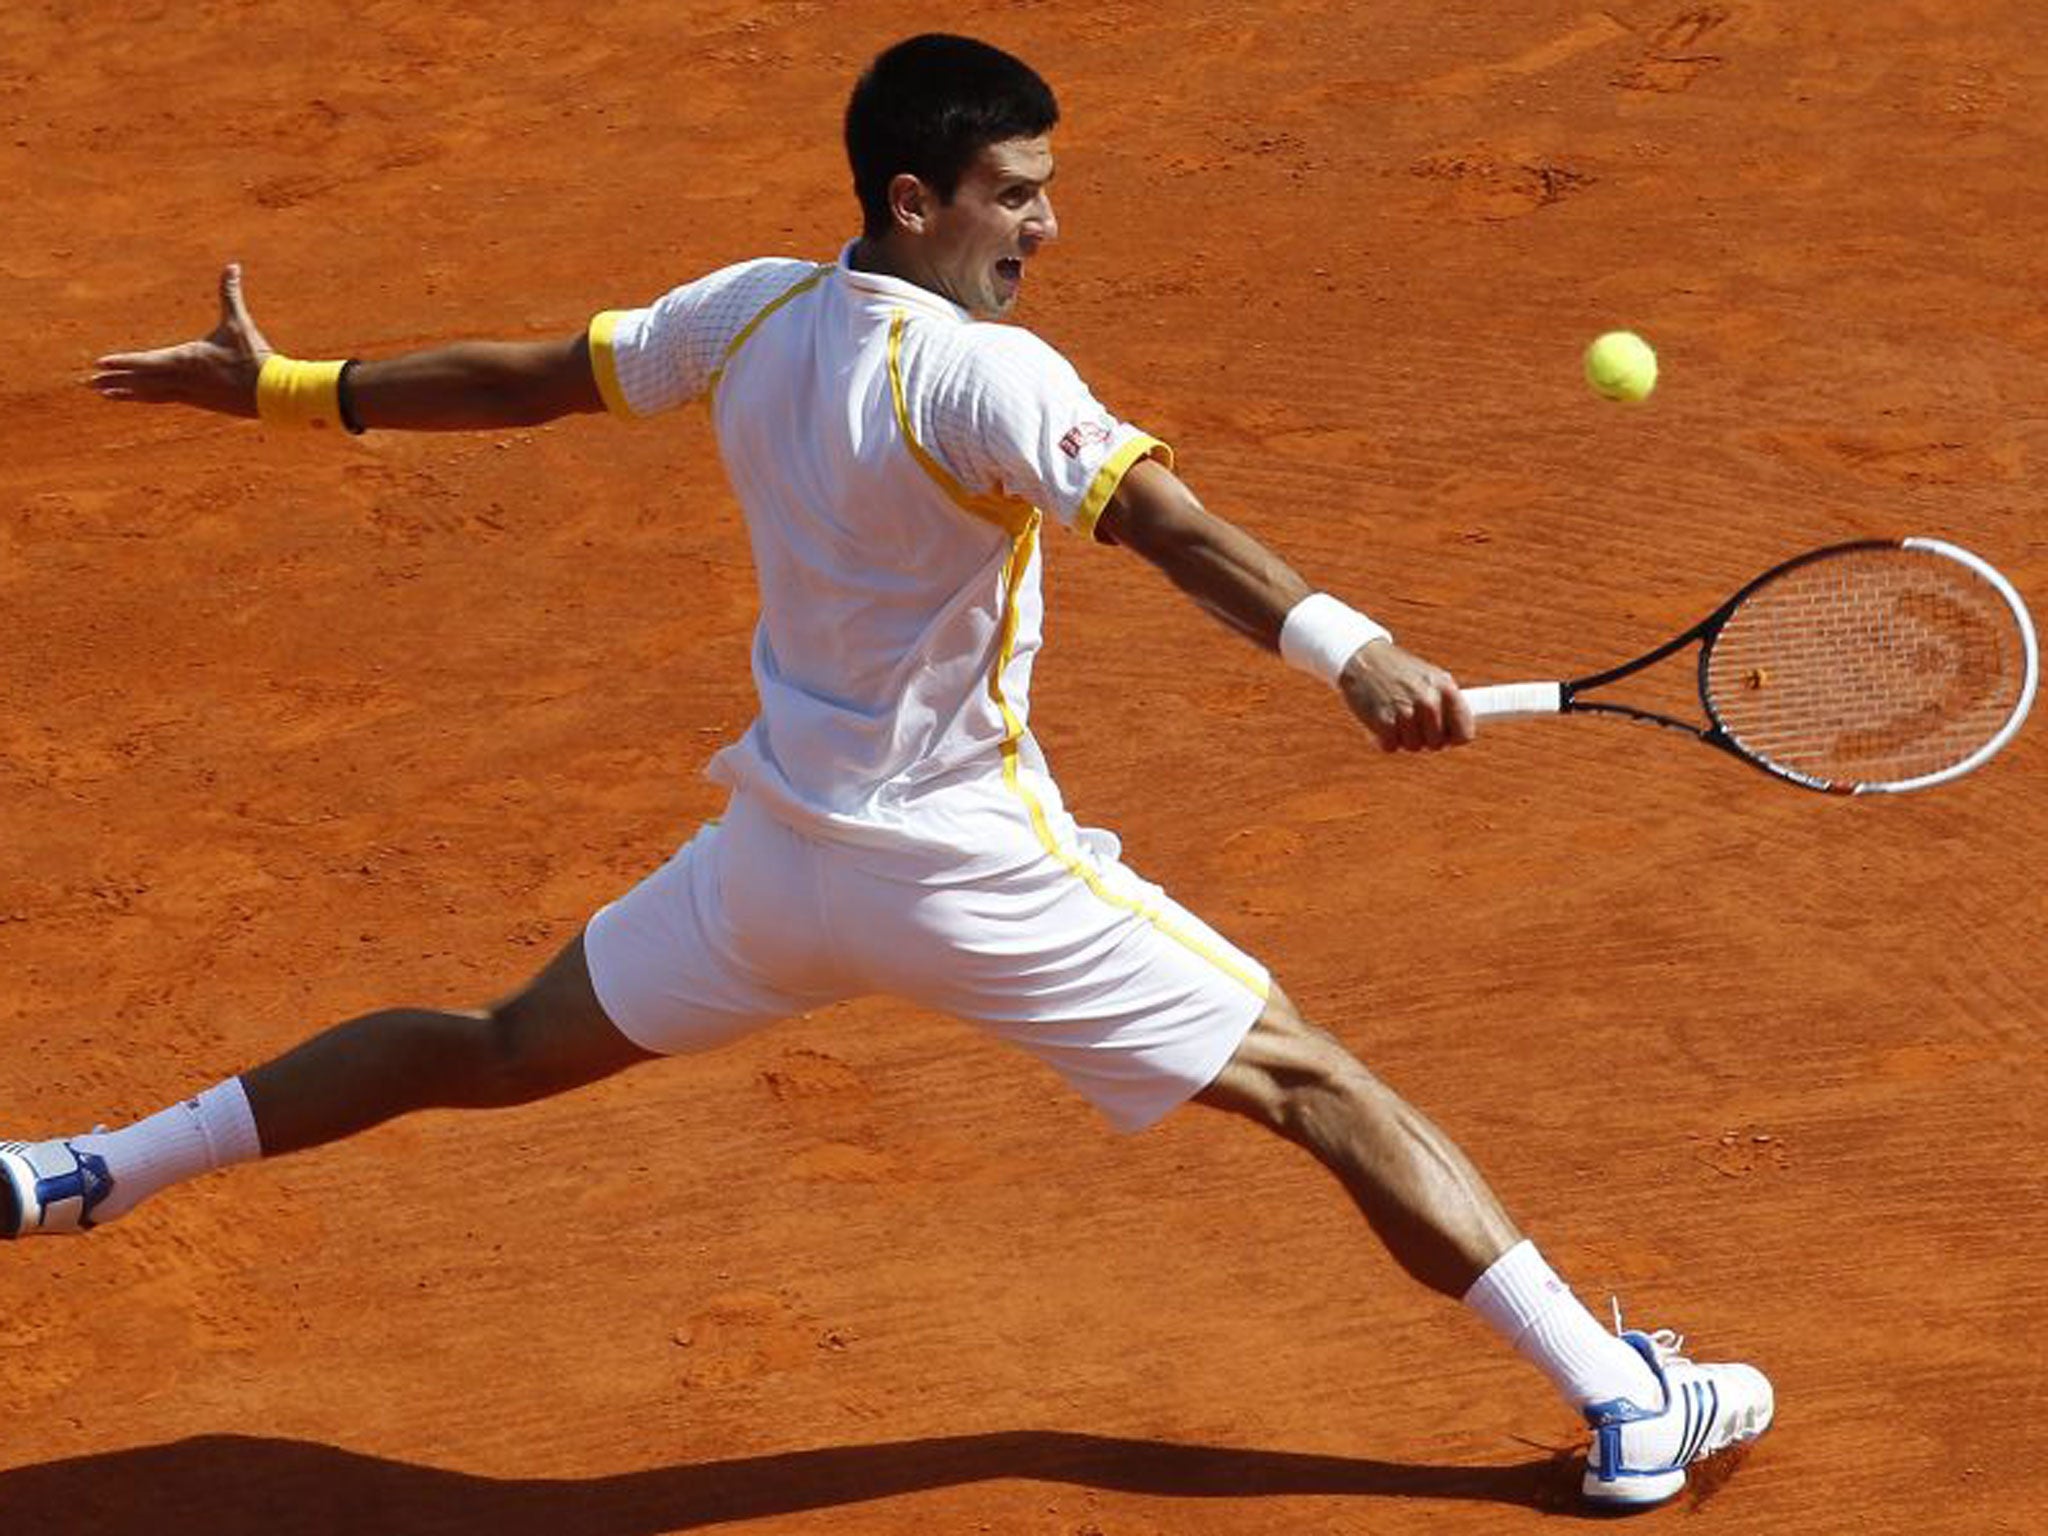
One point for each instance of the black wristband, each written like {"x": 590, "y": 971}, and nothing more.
{"x": 344, "y": 401}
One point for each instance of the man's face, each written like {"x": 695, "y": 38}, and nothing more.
{"x": 974, "y": 247}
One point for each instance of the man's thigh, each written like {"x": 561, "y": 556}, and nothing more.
{"x": 1130, "y": 997}
{"x": 723, "y": 939}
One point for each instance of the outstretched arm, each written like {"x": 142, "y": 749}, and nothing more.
{"x": 1405, "y": 701}
{"x": 472, "y": 384}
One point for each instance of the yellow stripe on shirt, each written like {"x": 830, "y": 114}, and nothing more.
{"x": 604, "y": 361}
{"x": 802, "y": 285}
{"x": 1022, "y": 521}
{"x": 1023, "y": 547}
{"x": 1007, "y": 513}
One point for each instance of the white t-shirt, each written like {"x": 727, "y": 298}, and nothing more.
{"x": 891, "y": 455}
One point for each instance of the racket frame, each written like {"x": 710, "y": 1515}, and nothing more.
{"x": 1523, "y": 700}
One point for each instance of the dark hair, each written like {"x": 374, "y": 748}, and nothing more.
{"x": 930, "y": 105}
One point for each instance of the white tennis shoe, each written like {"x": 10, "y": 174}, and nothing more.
{"x": 49, "y": 1186}
{"x": 1639, "y": 1454}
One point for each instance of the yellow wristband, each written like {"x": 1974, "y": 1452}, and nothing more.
{"x": 290, "y": 393}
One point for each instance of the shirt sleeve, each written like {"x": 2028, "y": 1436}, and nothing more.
{"x": 652, "y": 360}
{"x": 1015, "y": 419}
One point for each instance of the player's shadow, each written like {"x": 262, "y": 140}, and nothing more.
{"x": 241, "y": 1485}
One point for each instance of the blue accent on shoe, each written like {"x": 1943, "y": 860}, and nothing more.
{"x": 89, "y": 1183}
{"x": 1702, "y": 1401}
{"x": 1609, "y": 1436}
{"x": 1606, "y": 1418}
{"x": 1626, "y": 1410}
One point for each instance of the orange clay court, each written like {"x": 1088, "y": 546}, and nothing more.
{"x": 296, "y": 727}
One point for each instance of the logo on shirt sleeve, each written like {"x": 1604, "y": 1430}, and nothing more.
{"x": 1082, "y": 436}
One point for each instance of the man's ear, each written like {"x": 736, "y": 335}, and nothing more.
{"x": 910, "y": 202}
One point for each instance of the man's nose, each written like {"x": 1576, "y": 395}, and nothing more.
{"x": 1044, "y": 223}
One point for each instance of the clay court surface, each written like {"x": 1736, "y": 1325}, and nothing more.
{"x": 295, "y": 728}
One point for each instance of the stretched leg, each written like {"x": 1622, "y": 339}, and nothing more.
{"x": 1422, "y": 1196}
{"x": 547, "y": 1038}
{"x": 1652, "y": 1412}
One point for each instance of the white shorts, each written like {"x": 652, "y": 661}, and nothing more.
{"x": 1131, "y": 998}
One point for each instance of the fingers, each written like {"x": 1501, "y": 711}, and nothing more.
{"x": 234, "y": 309}
{"x": 138, "y": 375}
{"x": 1410, "y": 726}
{"x": 1426, "y": 714}
{"x": 115, "y": 377}
{"x": 238, "y": 331}
{"x": 142, "y": 387}
{"x": 136, "y": 396}
{"x": 131, "y": 362}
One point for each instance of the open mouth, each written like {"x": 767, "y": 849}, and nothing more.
{"x": 1010, "y": 269}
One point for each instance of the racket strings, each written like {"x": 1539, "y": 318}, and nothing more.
{"x": 1871, "y": 666}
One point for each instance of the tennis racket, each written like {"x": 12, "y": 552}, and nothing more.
{"x": 1870, "y": 667}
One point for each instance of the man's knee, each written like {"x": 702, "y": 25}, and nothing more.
{"x": 1287, "y": 1072}
{"x": 553, "y": 1034}
{"x": 510, "y": 1040}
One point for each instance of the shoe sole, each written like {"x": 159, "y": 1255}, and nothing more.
{"x": 1630, "y": 1491}
{"x": 1646, "y": 1490}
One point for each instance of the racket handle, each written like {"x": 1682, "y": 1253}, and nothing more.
{"x": 1515, "y": 701}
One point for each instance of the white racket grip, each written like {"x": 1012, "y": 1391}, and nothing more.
{"x": 1515, "y": 701}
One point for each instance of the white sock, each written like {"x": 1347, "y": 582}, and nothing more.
{"x": 1527, "y": 1305}
{"x": 196, "y": 1136}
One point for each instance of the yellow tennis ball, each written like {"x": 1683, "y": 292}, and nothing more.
{"x": 1621, "y": 366}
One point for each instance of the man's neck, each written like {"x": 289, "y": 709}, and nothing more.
{"x": 878, "y": 256}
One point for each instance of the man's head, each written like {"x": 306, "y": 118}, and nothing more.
{"x": 947, "y": 139}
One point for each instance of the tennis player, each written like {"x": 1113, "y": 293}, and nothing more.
{"x": 892, "y": 826}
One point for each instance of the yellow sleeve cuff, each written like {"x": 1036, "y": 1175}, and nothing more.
{"x": 1111, "y": 475}
{"x": 605, "y": 364}
{"x": 290, "y": 393}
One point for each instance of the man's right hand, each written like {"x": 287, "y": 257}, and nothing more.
{"x": 1408, "y": 704}
{"x": 215, "y": 373}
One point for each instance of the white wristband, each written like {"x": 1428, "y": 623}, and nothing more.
{"x": 1321, "y": 634}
